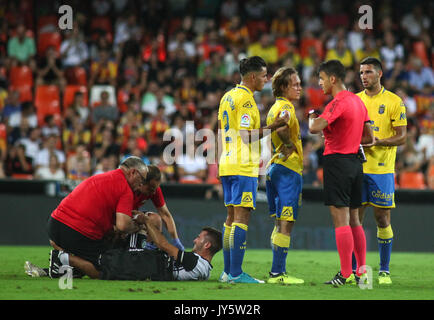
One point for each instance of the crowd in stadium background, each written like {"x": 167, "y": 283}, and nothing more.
{"x": 74, "y": 103}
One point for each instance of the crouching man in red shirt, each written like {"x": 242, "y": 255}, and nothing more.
{"x": 77, "y": 226}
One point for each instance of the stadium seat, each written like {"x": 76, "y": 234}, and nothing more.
{"x": 21, "y": 79}
{"x": 95, "y": 94}
{"x": 47, "y": 24}
{"x": 21, "y": 76}
{"x": 255, "y": 28}
{"x": 23, "y": 176}
{"x": 412, "y": 180}
{"x": 430, "y": 176}
{"x": 76, "y": 76}
{"x": 47, "y": 101}
{"x": 68, "y": 96}
{"x": 101, "y": 26}
{"x": 26, "y": 92}
{"x": 316, "y": 97}
{"x": 46, "y": 40}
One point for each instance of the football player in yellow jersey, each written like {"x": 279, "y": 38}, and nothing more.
{"x": 239, "y": 134}
{"x": 284, "y": 171}
{"x": 389, "y": 123}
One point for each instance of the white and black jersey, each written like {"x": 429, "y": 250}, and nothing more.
{"x": 191, "y": 266}
{"x": 188, "y": 265}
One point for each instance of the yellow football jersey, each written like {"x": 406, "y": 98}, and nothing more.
{"x": 386, "y": 111}
{"x": 295, "y": 161}
{"x": 238, "y": 111}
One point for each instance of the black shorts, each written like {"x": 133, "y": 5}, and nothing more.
{"x": 74, "y": 242}
{"x": 343, "y": 180}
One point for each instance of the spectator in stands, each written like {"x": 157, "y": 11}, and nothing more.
{"x": 181, "y": 41}
{"x": 78, "y": 163}
{"x": 192, "y": 168}
{"x": 229, "y": 9}
{"x": 50, "y": 127}
{"x": 341, "y": 53}
{"x": 17, "y": 163}
{"x": 12, "y": 105}
{"x": 420, "y": 76}
{"x": 75, "y": 133}
{"x": 390, "y": 51}
{"x": 265, "y": 48}
{"x": 50, "y": 147}
{"x": 104, "y": 110}
{"x": 21, "y": 48}
{"x": 156, "y": 127}
{"x": 368, "y": 49}
{"x": 156, "y": 97}
{"x": 32, "y": 143}
{"x": 282, "y": 25}
{"x": 103, "y": 71}
{"x": 235, "y": 32}
{"x": 108, "y": 145}
{"x": 397, "y": 75}
{"x": 107, "y": 163}
{"x": 73, "y": 49}
{"x": 50, "y": 71}
{"x": 79, "y": 108}
{"x": 27, "y": 112}
{"x": 415, "y": 22}
{"x": 52, "y": 172}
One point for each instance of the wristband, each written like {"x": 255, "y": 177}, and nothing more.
{"x": 177, "y": 243}
{"x": 313, "y": 111}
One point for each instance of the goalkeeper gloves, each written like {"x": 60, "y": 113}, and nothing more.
{"x": 177, "y": 243}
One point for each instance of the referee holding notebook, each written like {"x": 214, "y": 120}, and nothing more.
{"x": 345, "y": 125}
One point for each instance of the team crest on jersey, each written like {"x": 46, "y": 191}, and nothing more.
{"x": 245, "y": 120}
{"x": 247, "y": 105}
{"x": 381, "y": 109}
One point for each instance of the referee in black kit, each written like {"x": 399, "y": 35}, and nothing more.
{"x": 344, "y": 123}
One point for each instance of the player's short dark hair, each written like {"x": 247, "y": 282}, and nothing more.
{"x": 374, "y": 61}
{"x": 214, "y": 236}
{"x": 333, "y": 68}
{"x": 252, "y": 64}
{"x": 280, "y": 79}
{"x": 154, "y": 173}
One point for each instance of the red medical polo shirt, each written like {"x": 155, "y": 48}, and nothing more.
{"x": 91, "y": 207}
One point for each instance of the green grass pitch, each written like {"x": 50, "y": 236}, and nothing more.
{"x": 412, "y": 277}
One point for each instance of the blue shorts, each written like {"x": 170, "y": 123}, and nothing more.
{"x": 379, "y": 190}
{"x": 284, "y": 188}
{"x": 239, "y": 191}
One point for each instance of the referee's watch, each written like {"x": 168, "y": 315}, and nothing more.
{"x": 313, "y": 111}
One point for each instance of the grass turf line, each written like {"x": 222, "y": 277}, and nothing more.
{"x": 411, "y": 275}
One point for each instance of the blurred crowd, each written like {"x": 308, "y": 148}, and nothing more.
{"x": 75, "y": 102}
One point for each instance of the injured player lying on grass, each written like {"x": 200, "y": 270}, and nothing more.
{"x": 194, "y": 265}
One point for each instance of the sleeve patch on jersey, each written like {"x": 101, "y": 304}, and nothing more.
{"x": 245, "y": 120}
{"x": 186, "y": 259}
{"x": 247, "y": 105}
{"x": 285, "y": 112}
